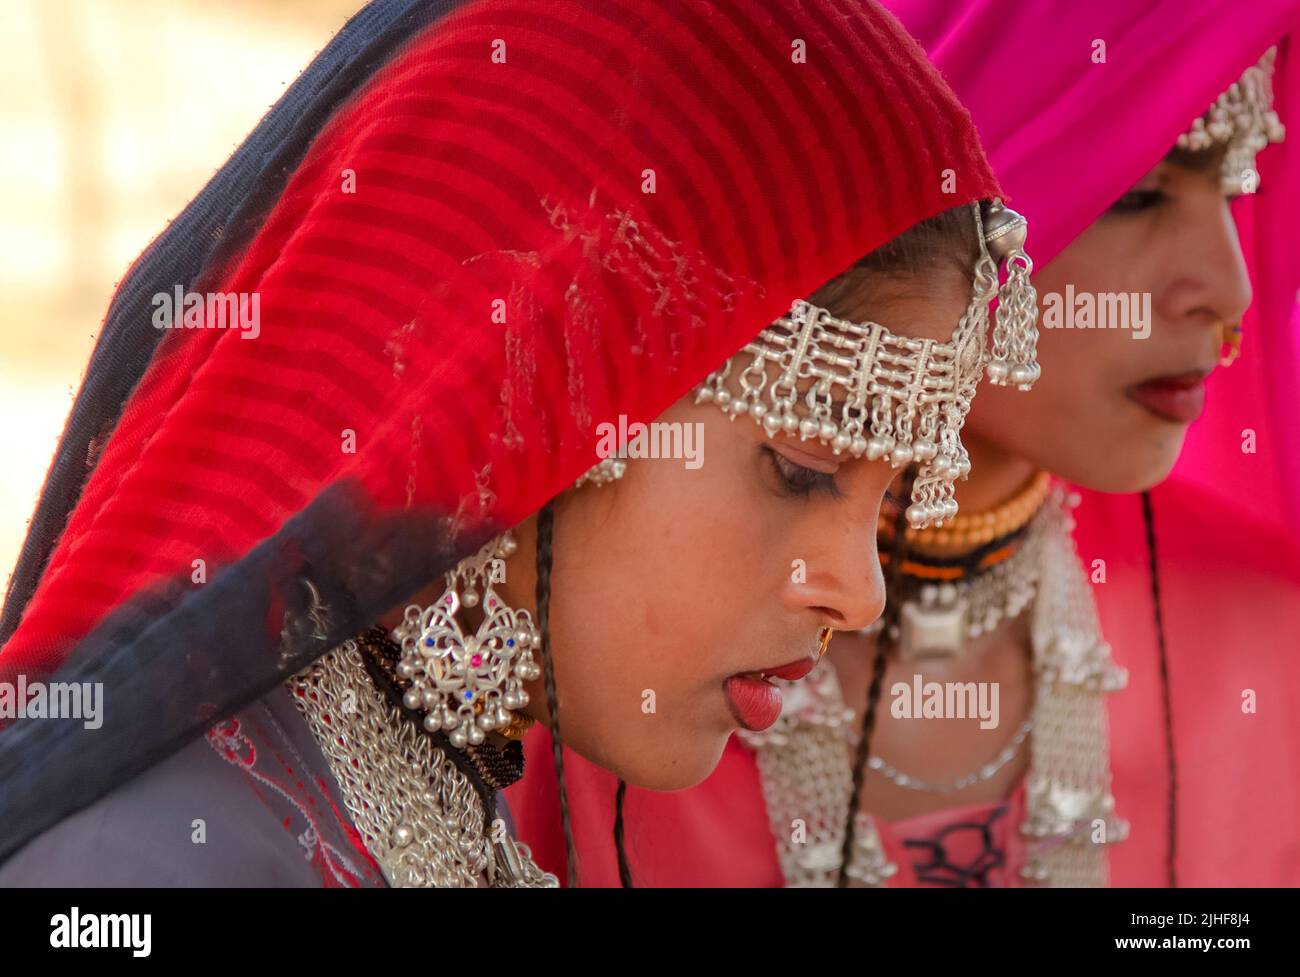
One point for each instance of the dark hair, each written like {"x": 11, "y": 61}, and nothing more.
{"x": 883, "y": 647}
{"x": 545, "y": 533}
{"x": 545, "y": 538}
{"x": 1171, "y": 758}
{"x": 946, "y": 242}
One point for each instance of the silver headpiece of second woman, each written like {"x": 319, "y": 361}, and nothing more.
{"x": 1244, "y": 119}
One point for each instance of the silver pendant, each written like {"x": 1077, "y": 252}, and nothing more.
{"x": 935, "y": 627}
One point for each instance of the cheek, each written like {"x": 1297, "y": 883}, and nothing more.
{"x": 1078, "y": 421}
{"x": 1110, "y": 257}
{"x": 657, "y": 588}
{"x": 693, "y": 547}
{"x": 1078, "y": 415}
{"x": 1080, "y": 367}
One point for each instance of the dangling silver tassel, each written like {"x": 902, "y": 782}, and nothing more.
{"x": 1015, "y": 330}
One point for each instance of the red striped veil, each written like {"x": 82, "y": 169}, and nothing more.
{"x": 534, "y": 217}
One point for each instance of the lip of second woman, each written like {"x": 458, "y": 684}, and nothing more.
{"x": 1175, "y": 397}
{"x": 755, "y": 702}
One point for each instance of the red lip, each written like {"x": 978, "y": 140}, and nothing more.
{"x": 1178, "y": 397}
{"x": 792, "y": 672}
{"x": 756, "y": 702}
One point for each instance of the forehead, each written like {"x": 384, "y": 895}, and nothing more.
{"x": 923, "y": 306}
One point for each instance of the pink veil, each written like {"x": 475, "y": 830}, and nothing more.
{"x": 1026, "y": 72}
{"x": 1067, "y": 137}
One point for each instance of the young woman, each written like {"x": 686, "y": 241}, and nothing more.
{"x": 1132, "y": 185}
{"x": 480, "y": 239}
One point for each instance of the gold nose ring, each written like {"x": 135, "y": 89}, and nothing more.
{"x": 1229, "y": 342}
{"x": 826, "y": 640}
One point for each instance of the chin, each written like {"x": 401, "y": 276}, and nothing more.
{"x": 669, "y": 770}
{"x": 1127, "y": 472}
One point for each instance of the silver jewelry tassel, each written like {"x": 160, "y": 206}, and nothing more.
{"x": 1015, "y": 330}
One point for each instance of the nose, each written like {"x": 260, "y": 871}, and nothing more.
{"x": 1214, "y": 285}
{"x": 841, "y": 580}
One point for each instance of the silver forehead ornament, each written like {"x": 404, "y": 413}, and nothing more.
{"x": 1242, "y": 118}
{"x": 861, "y": 389}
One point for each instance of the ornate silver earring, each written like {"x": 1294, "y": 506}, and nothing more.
{"x": 469, "y": 683}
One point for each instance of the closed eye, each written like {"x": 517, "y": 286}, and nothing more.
{"x": 800, "y": 481}
{"x": 1136, "y": 201}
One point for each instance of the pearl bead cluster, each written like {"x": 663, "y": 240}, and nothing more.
{"x": 1243, "y": 117}
{"x": 604, "y": 472}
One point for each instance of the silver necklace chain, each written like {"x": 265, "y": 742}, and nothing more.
{"x": 986, "y": 772}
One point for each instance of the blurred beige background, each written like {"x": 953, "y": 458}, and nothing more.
{"x": 114, "y": 113}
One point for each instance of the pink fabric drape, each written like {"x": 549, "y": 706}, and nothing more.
{"x": 1067, "y": 136}
{"x": 1066, "y": 141}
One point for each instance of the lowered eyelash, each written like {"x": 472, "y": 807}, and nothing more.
{"x": 820, "y": 481}
{"x": 1140, "y": 200}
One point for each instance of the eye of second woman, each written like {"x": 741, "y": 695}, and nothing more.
{"x": 1147, "y": 193}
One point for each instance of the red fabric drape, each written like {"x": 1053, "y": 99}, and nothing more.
{"x": 539, "y": 216}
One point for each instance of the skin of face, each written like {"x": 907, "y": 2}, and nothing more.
{"x": 1172, "y": 236}
{"x": 672, "y": 579}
